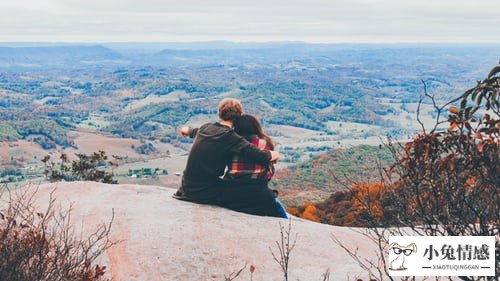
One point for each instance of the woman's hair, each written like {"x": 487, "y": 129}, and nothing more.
{"x": 230, "y": 109}
{"x": 247, "y": 125}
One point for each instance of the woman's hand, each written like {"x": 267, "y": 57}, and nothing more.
{"x": 275, "y": 156}
{"x": 185, "y": 131}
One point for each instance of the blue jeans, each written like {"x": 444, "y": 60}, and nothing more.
{"x": 281, "y": 208}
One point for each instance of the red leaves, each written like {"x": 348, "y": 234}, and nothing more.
{"x": 480, "y": 147}
{"x": 453, "y": 126}
{"x": 99, "y": 271}
{"x": 252, "y": 270}
{"x": 477, "y": 135}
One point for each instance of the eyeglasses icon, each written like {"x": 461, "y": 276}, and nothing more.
{"x": 406, "y": 252}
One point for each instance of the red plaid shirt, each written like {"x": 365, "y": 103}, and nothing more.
{"x": 245, "y": 168}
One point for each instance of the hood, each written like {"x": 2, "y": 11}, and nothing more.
{"x": 214, "y": 130}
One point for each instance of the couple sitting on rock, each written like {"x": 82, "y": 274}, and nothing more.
{"x": 238, "y": 143}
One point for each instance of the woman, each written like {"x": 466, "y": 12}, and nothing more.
{"x": 247, "y": 170}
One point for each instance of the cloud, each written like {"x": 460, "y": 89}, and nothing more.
{"x": 324, "y": 20}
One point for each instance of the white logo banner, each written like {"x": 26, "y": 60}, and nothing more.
{"x": 441, "y": 256}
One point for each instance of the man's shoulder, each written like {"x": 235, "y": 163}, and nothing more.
{"x": 216, "y": 131}
{"x": 215, "y": 125}
{"x": 206, "y": 125}
{"x": 210, "y": 126}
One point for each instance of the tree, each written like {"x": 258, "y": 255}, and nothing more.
{"x": 86, "y": 167}
{"x": 444, "y": 182}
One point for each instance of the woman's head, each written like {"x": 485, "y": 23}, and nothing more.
{"x": 230, "y": 109}
{"x": 247, "y": 125}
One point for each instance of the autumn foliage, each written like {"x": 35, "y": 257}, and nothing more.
{"x": 362, "y": 205}
{"x": 307, "y": 211}
{"x": 450, "y": 177}
{"x": 445, "y": 181}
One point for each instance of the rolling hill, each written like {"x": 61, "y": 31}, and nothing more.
{"x": 315, "y": 180}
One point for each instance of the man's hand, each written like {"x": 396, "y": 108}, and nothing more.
{"x": 185, "y": 131}
{"x": 275, "y": 156}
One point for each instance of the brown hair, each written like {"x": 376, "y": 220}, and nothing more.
{"x": 248, "y": 125}
{"x": 230, "y": 109}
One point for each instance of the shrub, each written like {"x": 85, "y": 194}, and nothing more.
{"x": 86, "y": 167}
{"x": 43, "y": 246}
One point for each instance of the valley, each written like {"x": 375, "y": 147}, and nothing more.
{"x": 311, "y": 98}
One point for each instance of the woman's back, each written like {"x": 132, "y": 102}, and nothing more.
{"x": 247, "y": 181}
{"x": 244, "y": 168}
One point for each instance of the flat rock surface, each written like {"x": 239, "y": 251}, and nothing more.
{"x": 166, "y": 239}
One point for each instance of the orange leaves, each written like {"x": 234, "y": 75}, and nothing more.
{"x": 453, "y": 126}
{"x": 470, "y": 181}
{"x": 368, "y": 198}
{"x": 454, "y": 110}
{"x": 293, "y": 211}
{"x": 350, "y": 218}
{"x": 470, "y": 184}
{"x": 310, "y": 213}
{"x": 358, "y": 207}
{"x": 364, "y": 191}
{"x": 376, "y": 209}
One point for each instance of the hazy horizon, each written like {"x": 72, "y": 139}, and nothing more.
{"x": 248, "y": 41}
{"x": 229, "y": 42}
{"x": 314, "y": 21}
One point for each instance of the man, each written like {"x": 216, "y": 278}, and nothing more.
{"x": 214, "y": 146}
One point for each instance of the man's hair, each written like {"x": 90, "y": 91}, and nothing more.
{"x": 230, "y": 109}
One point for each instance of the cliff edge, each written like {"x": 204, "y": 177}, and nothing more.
{"x": 166, "y": 239}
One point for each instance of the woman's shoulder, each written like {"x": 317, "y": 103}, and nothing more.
{"x": 253, "y": 139}
{"x": 260, "y": 142}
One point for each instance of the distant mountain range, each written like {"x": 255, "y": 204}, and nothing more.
{"x": 22, "y": 53}
{"x": 56, "y": 55}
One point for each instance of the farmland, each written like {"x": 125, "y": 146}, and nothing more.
{"x": 310, "y": 98}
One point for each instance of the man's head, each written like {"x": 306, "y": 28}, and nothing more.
{"x": 230, "y": 109}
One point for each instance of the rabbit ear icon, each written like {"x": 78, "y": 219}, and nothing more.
{"x": 401, "y": 252}
{"x": 413, "y": 247}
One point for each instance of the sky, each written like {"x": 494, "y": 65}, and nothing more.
{"x": 315, "y": 21}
